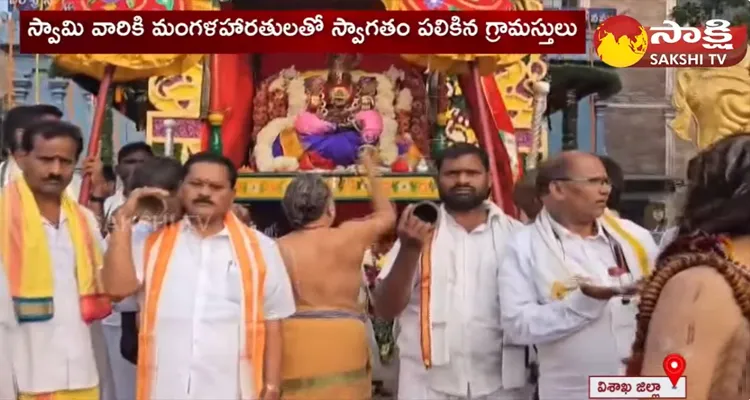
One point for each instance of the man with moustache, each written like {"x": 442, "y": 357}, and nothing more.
{"x": 50, "y": 297}
{"x": 440, "y": 281}
{"x": 16, "y": 120}
{"x": 212, "y": 293}
{"x": 13, "y": 125}
{"x": 567, "y": 277}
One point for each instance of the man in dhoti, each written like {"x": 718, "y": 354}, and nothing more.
{"x": 326, "y": 348}
{"x": 51, "y": 249}
{"x": 212, "y": 293}
{"x": 567, "y": 278}
{"x": 440, "y": 281}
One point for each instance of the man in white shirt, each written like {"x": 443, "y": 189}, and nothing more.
{"x": 440, "y": 281}
{"x": 158, "y": 172}
{"x": 567, "y": 277}
{"x": 129, "y": 158}
{"x": 16, "y": 119}
{"x": 13, "y": 126}
{"x": 215, "y": 292}
{"x": 49, "y": 298}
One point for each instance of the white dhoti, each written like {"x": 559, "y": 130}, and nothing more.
{"x": 106, "y": 380}
{"x": 7, "y": 383}
{"x": 123, "y": 372}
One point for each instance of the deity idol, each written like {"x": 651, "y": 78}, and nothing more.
{"x": 340, "y": 117}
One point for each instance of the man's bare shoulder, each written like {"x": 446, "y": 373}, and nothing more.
{"x": 701, "y": 291}
{"x": 319, "y": 237}
{"x": 698, "y": 279}
{"x": 354, "y": 223}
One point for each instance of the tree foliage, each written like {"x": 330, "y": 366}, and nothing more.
{"x": 697, "y": 12}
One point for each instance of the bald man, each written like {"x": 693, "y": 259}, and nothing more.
{"x": 568, "y": 278}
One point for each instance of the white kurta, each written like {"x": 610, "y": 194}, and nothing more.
{"x": 199, "y": 322}
{"x": 58, "y": 354}
{"x": 575, "y": 337}
{"x": 123, "y": 371}
{"x": 113, "y": 202}
{"x": 474, "y": 331}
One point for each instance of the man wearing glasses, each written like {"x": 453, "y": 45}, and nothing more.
{"x": 568, "y": 278}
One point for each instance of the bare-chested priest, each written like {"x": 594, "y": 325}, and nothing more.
{"x": 326, "y": 351}
{"x": 696, "y": 304}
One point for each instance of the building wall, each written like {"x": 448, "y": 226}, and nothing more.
{"x": 586, "y": 129}
{"x": 636, "y": 119}
{"x": 55, "y": 91}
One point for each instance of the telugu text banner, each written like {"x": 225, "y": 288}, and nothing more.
{"x": 403, "y": 32}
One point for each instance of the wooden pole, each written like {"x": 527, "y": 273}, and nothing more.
{"x": 96, "y": 129}
{"x": 489, "y": 138}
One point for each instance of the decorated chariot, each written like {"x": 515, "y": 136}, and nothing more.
{"x": 276, "y": 115}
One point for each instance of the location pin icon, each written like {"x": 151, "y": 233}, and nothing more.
{"x": 674, "y": 366}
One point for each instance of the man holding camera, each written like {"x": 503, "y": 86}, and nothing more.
{"x": 440, "y": 281}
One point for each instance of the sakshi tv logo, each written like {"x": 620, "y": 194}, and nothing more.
{"x": 622, "y": 42}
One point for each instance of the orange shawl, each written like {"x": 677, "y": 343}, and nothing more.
{"x": 253, "y": 269}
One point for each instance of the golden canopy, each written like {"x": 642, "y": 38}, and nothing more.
{"x": 130, "y": 67}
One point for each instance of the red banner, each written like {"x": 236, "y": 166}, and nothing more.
{"x": 403, "y": 32}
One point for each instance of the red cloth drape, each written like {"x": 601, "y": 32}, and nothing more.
{"x": 236, "y": 91}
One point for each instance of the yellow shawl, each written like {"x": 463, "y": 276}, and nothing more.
{"x": 28, "y": 263}
{"x": 158, "y": 251}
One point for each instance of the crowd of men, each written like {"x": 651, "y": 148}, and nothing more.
{"x": 159, "y": 288}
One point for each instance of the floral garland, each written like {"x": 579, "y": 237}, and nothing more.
{"x": 453, "y": 117}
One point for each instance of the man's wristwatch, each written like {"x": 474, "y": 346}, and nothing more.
{"x": 97, "y": 199}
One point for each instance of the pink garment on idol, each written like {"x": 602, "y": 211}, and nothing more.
{"x": 372, "y": 125}
{"x": 308, "y": 123}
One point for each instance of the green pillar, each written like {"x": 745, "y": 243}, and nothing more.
{"x": 215, "y": 145}
{"x": 570, "y": 121}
